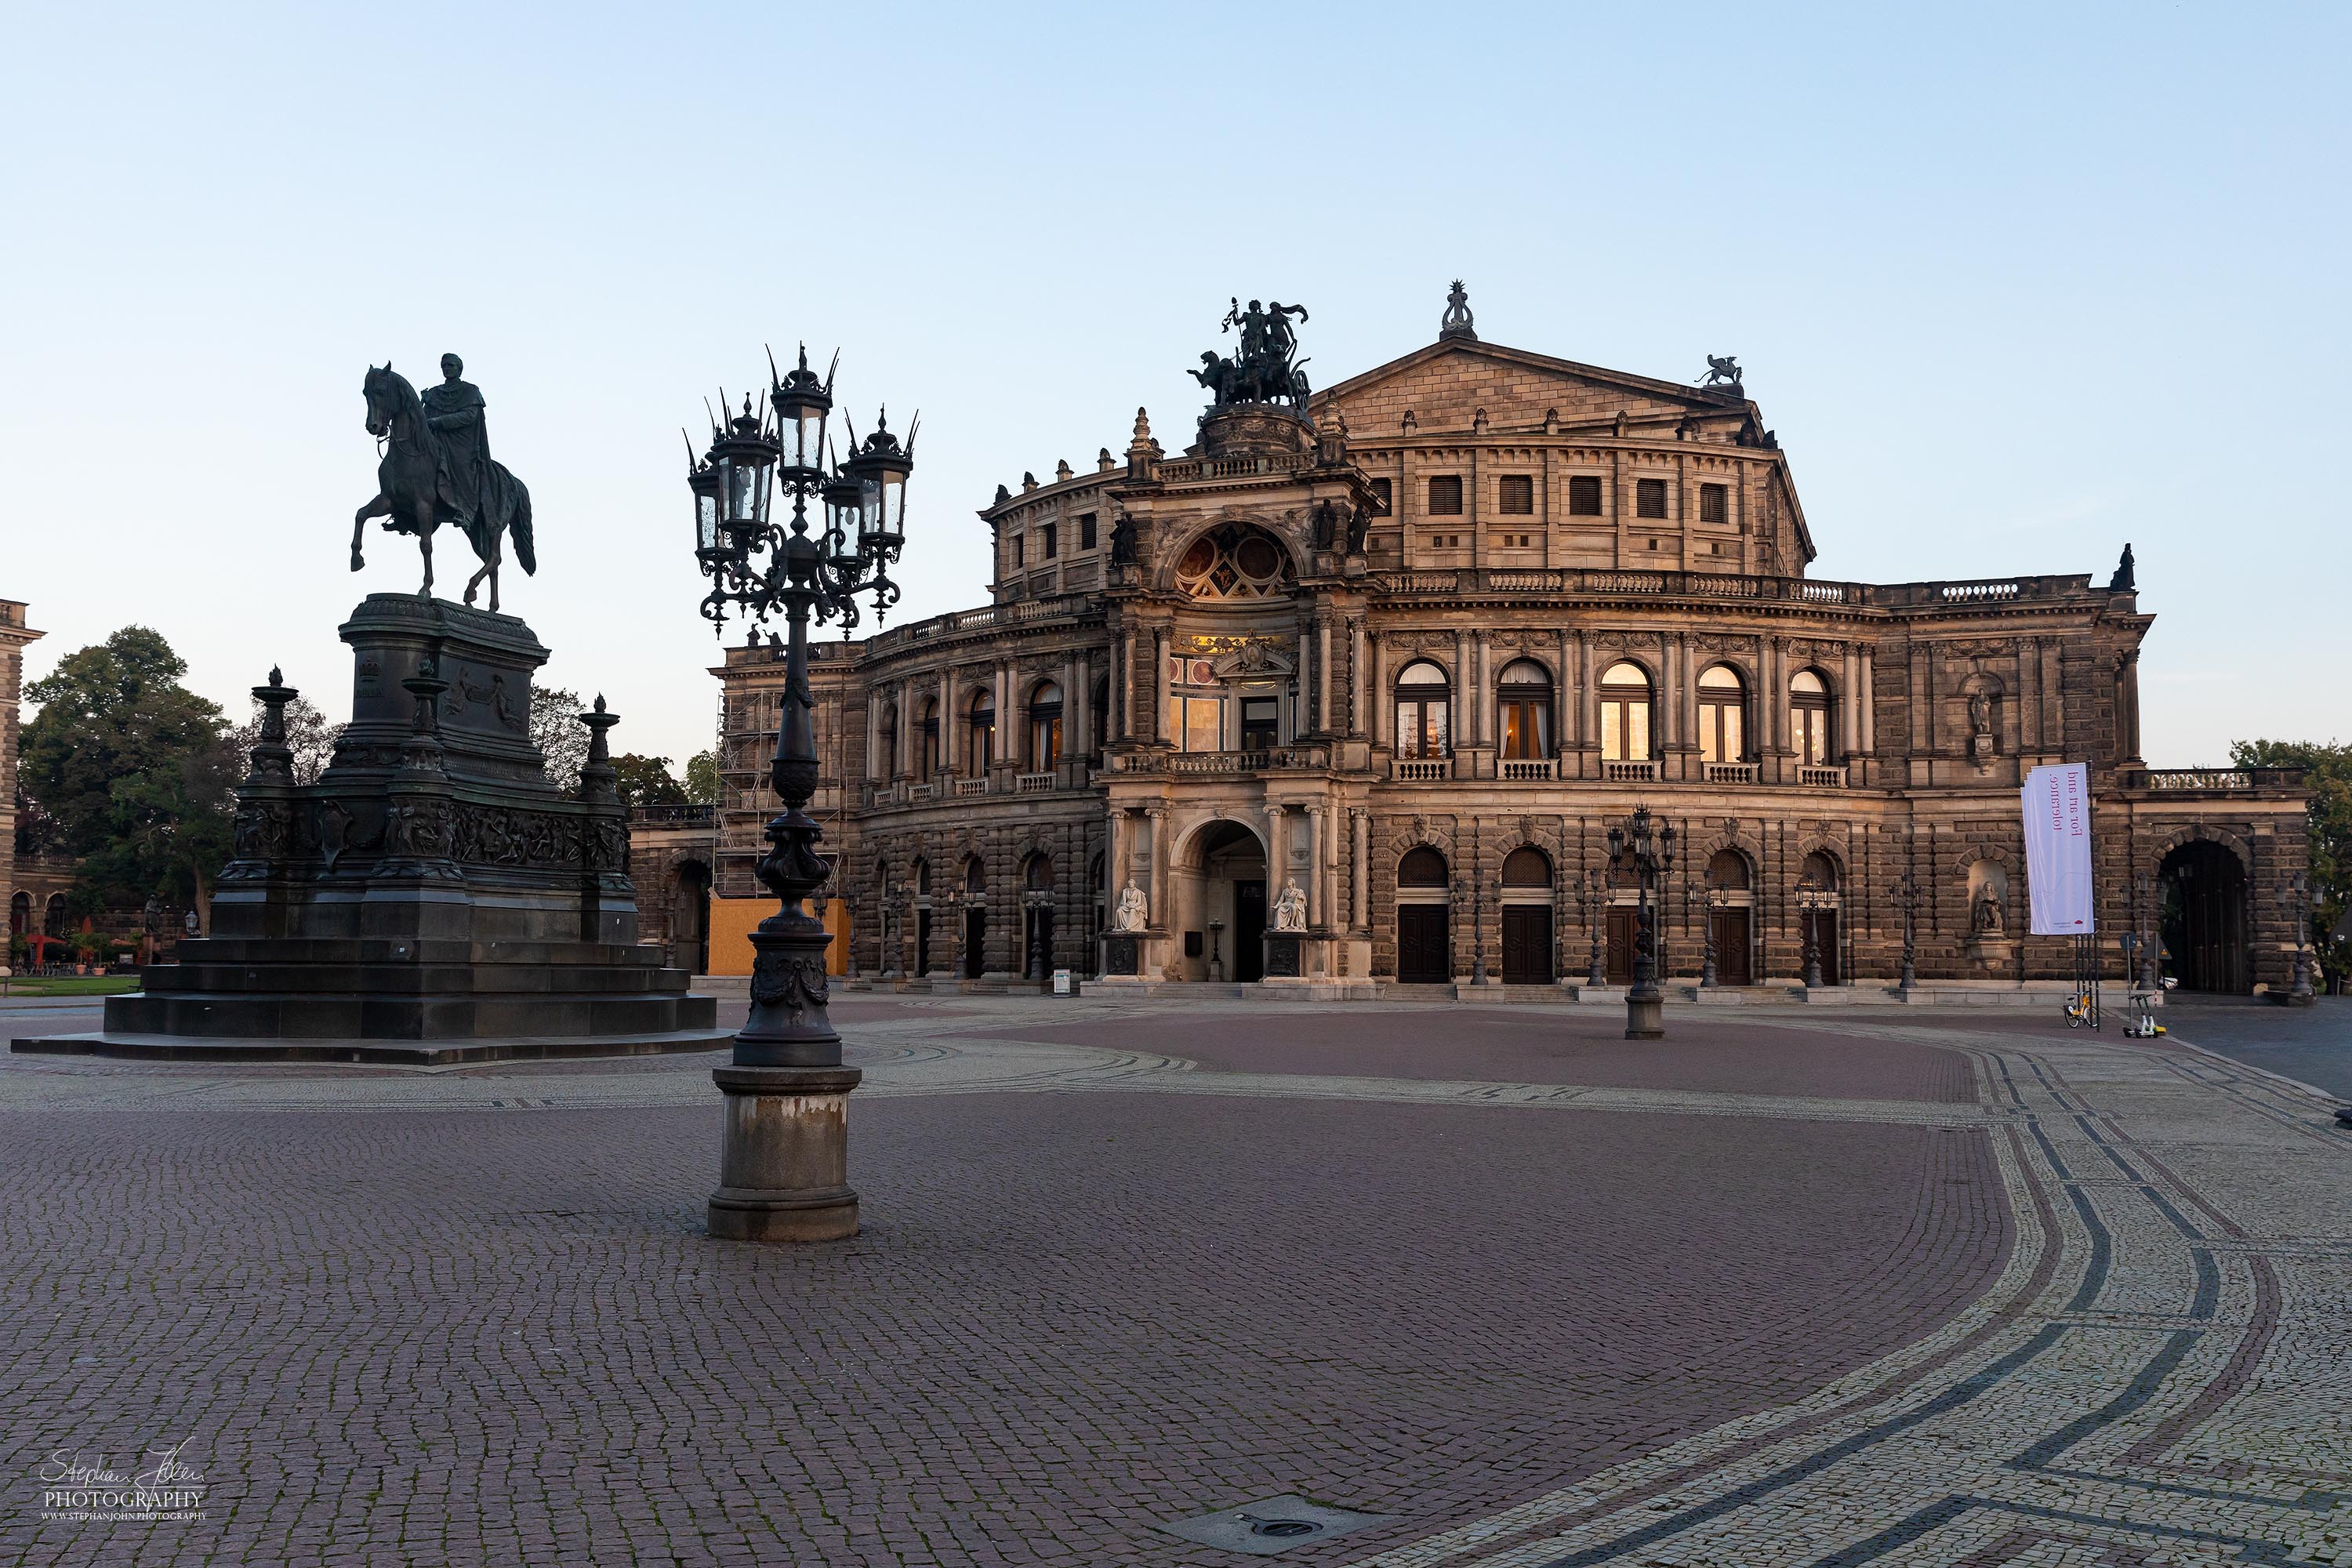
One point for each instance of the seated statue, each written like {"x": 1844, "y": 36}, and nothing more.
{"x": 1988, "y": 920}
{"x": 1131, "y": 915}
{"x": 1291, "y": 908}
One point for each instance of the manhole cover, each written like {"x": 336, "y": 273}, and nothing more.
{"x": 1271, "y": 1525}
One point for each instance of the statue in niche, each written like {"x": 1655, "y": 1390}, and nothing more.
{"x": 1132, "y": 913}
{"x": 1986, "y": 918}
{"x": 1291, "y": 908}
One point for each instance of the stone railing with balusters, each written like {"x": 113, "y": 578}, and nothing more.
{"x": 1727, "y": 773}
{"x": 1641, "y": 771}
{"x": 1470, "y": 581}
{"x": 1268, "y": 759}
{"x": 1237, "y": 468}
{"x": 2210, "y": 781}
{"x": 1521, "y": 768}
{"x": 1812, "y": 775}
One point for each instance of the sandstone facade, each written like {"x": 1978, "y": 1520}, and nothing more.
{"x": 1417, "y": 652}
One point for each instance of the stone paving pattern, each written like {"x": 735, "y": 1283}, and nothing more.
{"x": 1795, "y": 1288}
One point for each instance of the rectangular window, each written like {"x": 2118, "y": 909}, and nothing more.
{"x": 1649, "y": 498}
{"x": 1445, "y": 496}
{"x": 1584, "y": 495}
{"x": 1086, "y": 531}
{"x": 1204, "y": 723}
{"x": 1518, "y": 494}
{"x": 1261, "y": 719}
{"x": 1381, "y": 499}
{"x": 1017, "y": 551}
{"x": 1714, "y": 504}
{"x": 1052, "y": 541}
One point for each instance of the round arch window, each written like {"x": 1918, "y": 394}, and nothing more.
{"x": 1234, "y": 560}
{"x": 1810, "y": 729}
{"x": 1422, "y": 866}
{"x": 1523, "y": 697}
{"x": 1624, "y": 714}
{"x": 1423, "y": 710}
{"x": 1722, "y": 715}
{"x": 1526, "y": 866}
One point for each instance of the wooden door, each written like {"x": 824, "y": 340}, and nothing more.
{"x": 1731, "y": 950}
{"x": 1527, "y": 944}
{"x": 1624, "y": 921}
{"x": 1424, "y": 953}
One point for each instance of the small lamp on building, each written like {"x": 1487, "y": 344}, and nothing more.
{"x": 1810, "y": 898}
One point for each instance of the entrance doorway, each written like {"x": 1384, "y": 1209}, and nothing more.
{"x": 1249, "y": 930}
{"x": 2204, "y": 919}
{"x": 1624, "y": 923}
{"x": 1221, "y": 901}
{"x": 1527, "y": 944}
{"x": 923, "y": 941}
{"x": 1825, "y": 944}
{"x": 1731, "y": 952}
{"x": 975, "y": 942}
{"x": 1424, "y": 945}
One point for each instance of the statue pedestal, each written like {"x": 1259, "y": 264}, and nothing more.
{"x": 432, "y": 897}
{"x": 783, "y": 1163}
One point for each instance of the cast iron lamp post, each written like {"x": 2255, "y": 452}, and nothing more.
{"x": 1809, "y": 900}
{"x": 1715, "y": 899}
{"x": 1595, "y": 897}
{"x": 1036, "y": 900}
{"x": 1216, "y": 951}
{"x": 1653, "y": 856}
{"x": 2295, "y": 898}
{"x": 783, "y": 1167}
{"x": 1908, "y": 891}
{"x": 1466, "y": 889}
{"x": 2149, "y": 921}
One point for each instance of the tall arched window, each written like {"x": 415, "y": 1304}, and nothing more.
{"x": 1728, "y": 870}
{"x": 1624, "y": 714}
{"x": 1811, "y": 729}
{"x": 1722, "y": 715}
{"x": 1822, "y": 870}
{"x": 1523, "y": 696}
{"x": 927, "y": 741}
{"x": 984, "y": 731}
{"x": 1422, "y": 726}
{"x": 1045, "y": 726}
{"x": 975, "y": 878}
{"x": 889, "y": 758}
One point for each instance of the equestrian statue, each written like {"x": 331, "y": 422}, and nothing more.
{"x": 437, "y": 469}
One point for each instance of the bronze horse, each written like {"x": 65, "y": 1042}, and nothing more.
{"x": 408, "y": 487}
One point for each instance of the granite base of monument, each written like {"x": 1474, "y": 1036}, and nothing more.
{"x": 433, "y": 895}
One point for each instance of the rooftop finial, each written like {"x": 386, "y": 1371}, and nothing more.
{"x": 1458, "y": 320}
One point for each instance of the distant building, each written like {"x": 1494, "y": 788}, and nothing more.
{"x": 29, "y": 889}
{"x": 1417, "y": 650}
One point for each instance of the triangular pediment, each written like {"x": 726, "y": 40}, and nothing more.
{"x": 1445, "y": 384}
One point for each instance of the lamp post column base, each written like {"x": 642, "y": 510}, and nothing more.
{"x": 1645, "y": 1016}
{"x": 783, "y": 1163}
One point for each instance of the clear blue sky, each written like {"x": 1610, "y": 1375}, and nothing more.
{"x": 2015, "y": 286}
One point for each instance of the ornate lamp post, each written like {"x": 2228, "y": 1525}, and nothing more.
{"x": 1036, "y": 900}
{"x": 784, "y": 1161}
{"x": 1809, "y": 900}
{"x": 2295, "y": 898}
{"x": 1907, "y": 890}
{"x": 2149, "y": 921}
{"x": 1652, "y": 855}
{"x": 1216, "y": 950}
{"x": 1715, "y": 899}
{"x": 1467, "y": 890}
{"x": 1595, "y": 894}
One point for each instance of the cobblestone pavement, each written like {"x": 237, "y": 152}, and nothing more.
{"x": 1792, "y": 1288}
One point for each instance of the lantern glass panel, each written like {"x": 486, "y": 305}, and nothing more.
{"x": 743, "y": 490}
{"x": 706, "y": 517}
{"x": 870, "y": 506}
{"x": 894, "y": 503}
{"x": 809, "y": 424}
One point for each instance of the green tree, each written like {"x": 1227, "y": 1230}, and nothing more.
{"x": 557, "y": 731}
{"x": 135, "y": 768}
{"x": 647, "y": 781}
{"x": 703, "y": 778}
{"x": 2327, "y": 773}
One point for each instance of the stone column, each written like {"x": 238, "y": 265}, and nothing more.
{"x": 1361, "y": 872}
{"x": 1588, "y": 697}
{"x": 1158, "y": 896}
{"x": 1465, "y": 686}
{"x": 947, "y": 719}
{"x": 1867, "y": 741}
{"x": 2127, "y": 708}
{"x": 1160, "y": 698}
{"x": 1323, "y": 689}
{"x": 1317, "y": 896}
{"x": 1356, "y": 676}
{"x": 1849, "y": 707}
{"x": 1376, "y": 682}
{"x": 1074, "y": 709}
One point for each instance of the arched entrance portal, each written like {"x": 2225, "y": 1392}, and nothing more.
{"x": 2205, "y": 918}
{"x": 1223, "y": 904}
